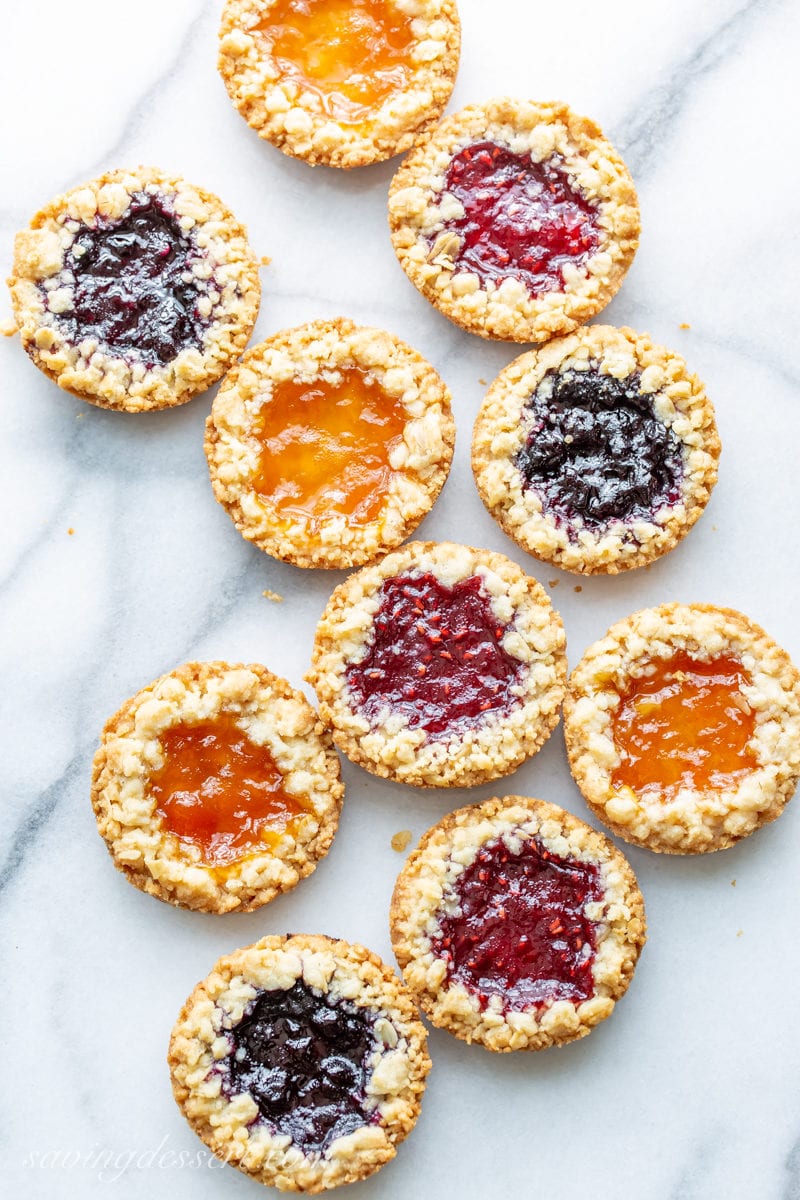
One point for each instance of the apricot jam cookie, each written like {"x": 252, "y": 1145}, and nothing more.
{"x": 329, "y": 443}
{"x": 517, "y": 220}
{"x": 442, "y": 666}
{"x": 683, "y": 728}
{"x": 216, "y": 788}
{"x": 516, "y": 925}
{"x": 340, "y": 82}
{"x": 597, "y": 452}
{"x": 301, "y": 1061}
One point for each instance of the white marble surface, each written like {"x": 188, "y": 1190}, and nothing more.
{"x": 690, "y": 1091}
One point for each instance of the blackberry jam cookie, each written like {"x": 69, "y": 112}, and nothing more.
{"x": 597, "y": 452}
{"x": 517, "y": 220}
{"x": 340, "y": 82}
{"x": 683, "y": 728}
{"x": 301, "y": 1061}
{"x": 329, "y": 443}
{"x": 216, "y": 788}
{"x": 442, "y": 666}
{"x": 516, "y": 925}
{"x": 135, "y": 291}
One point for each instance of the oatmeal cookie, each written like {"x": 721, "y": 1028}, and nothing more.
{"x": 216, "y": 788}
{"x": 516, "y": 925}
{"x": 597, "y": 452}
{"x": 301, "y": 1061}
{"x": 683, "y": 728}
{"x": 340, "y": 82}
{"x": 517, "y": 220}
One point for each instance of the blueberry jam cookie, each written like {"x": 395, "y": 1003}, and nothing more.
{"x": 329, "y": 443}
{"x": 516, "y": 925}
{"x": 301, "y": 1061}
{"x": 134, "y": 291}
{"x": 442, "y": 666}
{"x": 340, "y": 82}
{"x": 216, "y": 788}
{"x": 597, "y": 452}
{"x": 683, "y": 728}
{"x": 517, "y": 220}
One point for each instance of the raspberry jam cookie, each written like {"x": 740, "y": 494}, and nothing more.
{"x": 301, "y": 1061}
{"x": 216, "y": 788}
{"x": 442, "y": 666}
{"x": 516, "y": 925}
{"x": 340, "y": 82}
{"x": 517, "y": 220}
{"x": 597, "y": 452}
{"x": 135, "y": 291}
{"x": 329, "y": 443}
{"x": 683, "y": 728}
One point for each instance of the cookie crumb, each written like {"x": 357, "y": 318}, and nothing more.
{"x": 483, "y": 383}
{"x": 577, "y": 588}
{"x": 70, "y": 531}
{"x": 8, "y": 327}
{"x": 684, "y": 325}
{"x": 733, "y": 883}
{"x": 270, "y": 595}
{"x": 265, "y": 260}
{"x": 552, "y": 583}
{"x": 739, "y": 932}
{"x": 400, "y": 840}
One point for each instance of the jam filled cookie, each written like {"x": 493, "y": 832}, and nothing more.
{"x": 216, "y": 788}
{"x": 340, "y": 82}
{"x": 597, "y": 452}
{"x": 329, "y": 443}
{"x": 135, "y": 291}
{"x": 516, "y": 925}
{"x": 442, "y": 666}
{"x": 301, "y": 1061}
{"x": 517, "y": 220}
{"x": 683, "y": 728}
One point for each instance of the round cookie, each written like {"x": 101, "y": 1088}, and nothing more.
{"x": 340, "y": 82}
{"x": 597, "y": 452}
{"x": 682, "y": 727}
{"x": 516, "y": 925}
{"x": 300, "y": 1061}
{"x": 516, "y": 219}
{"x": 329, "y": 443}
{"x": 216, "y": 788}
{"x": 441, "y": 666}
{"x": 134, "y": 291}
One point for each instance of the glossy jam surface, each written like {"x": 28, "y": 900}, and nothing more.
{"x": 522, "y": 220}
{"x": 351, "y": 54}
{"x": 221, "y": 792}
{"x": 522, "y": 933}
{"x": 131, "y": 291}
{"x": 597, "y": 451}
{"x": 325, "y": 449}
{"x": 436, "y": 656}
{"x": 303, "y": 1060}
{"x": 686, "y": 724}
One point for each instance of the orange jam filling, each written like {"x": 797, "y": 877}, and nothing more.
{"x": 221, "y": 792}
{"x": 686, "y": 724}
{"x": 351, "y": 54}
{"x": 325, "y": 449}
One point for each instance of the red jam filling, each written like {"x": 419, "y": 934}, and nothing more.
{"x": 521, "y": 932}
{"x": 522, "y": 219}
{"x": 436, "y": 656}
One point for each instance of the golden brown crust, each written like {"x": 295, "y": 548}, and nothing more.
{"x": 426, "y": 884}
{"x": 293, "y": 119}
{"x": 680, "y": 403}
{"x": 226, "y": 270}
{"x": 417, "y": 197}
{"x": 230, "y": 1128}
{"x": 692, "y": 822}
{"x": 271, "y": 713}
{"x": 420, "y": 465}
{"x": 499, "y": 743}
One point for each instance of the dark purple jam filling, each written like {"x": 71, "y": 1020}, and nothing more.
{"x": 134, "y": 291}
{"x": 522, "y": 933}
{"x": 436, "y": 656}
{"x": 522, "y": 219}
{"x": 596, "y": 450}
{"x": 303, "y": 1060}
